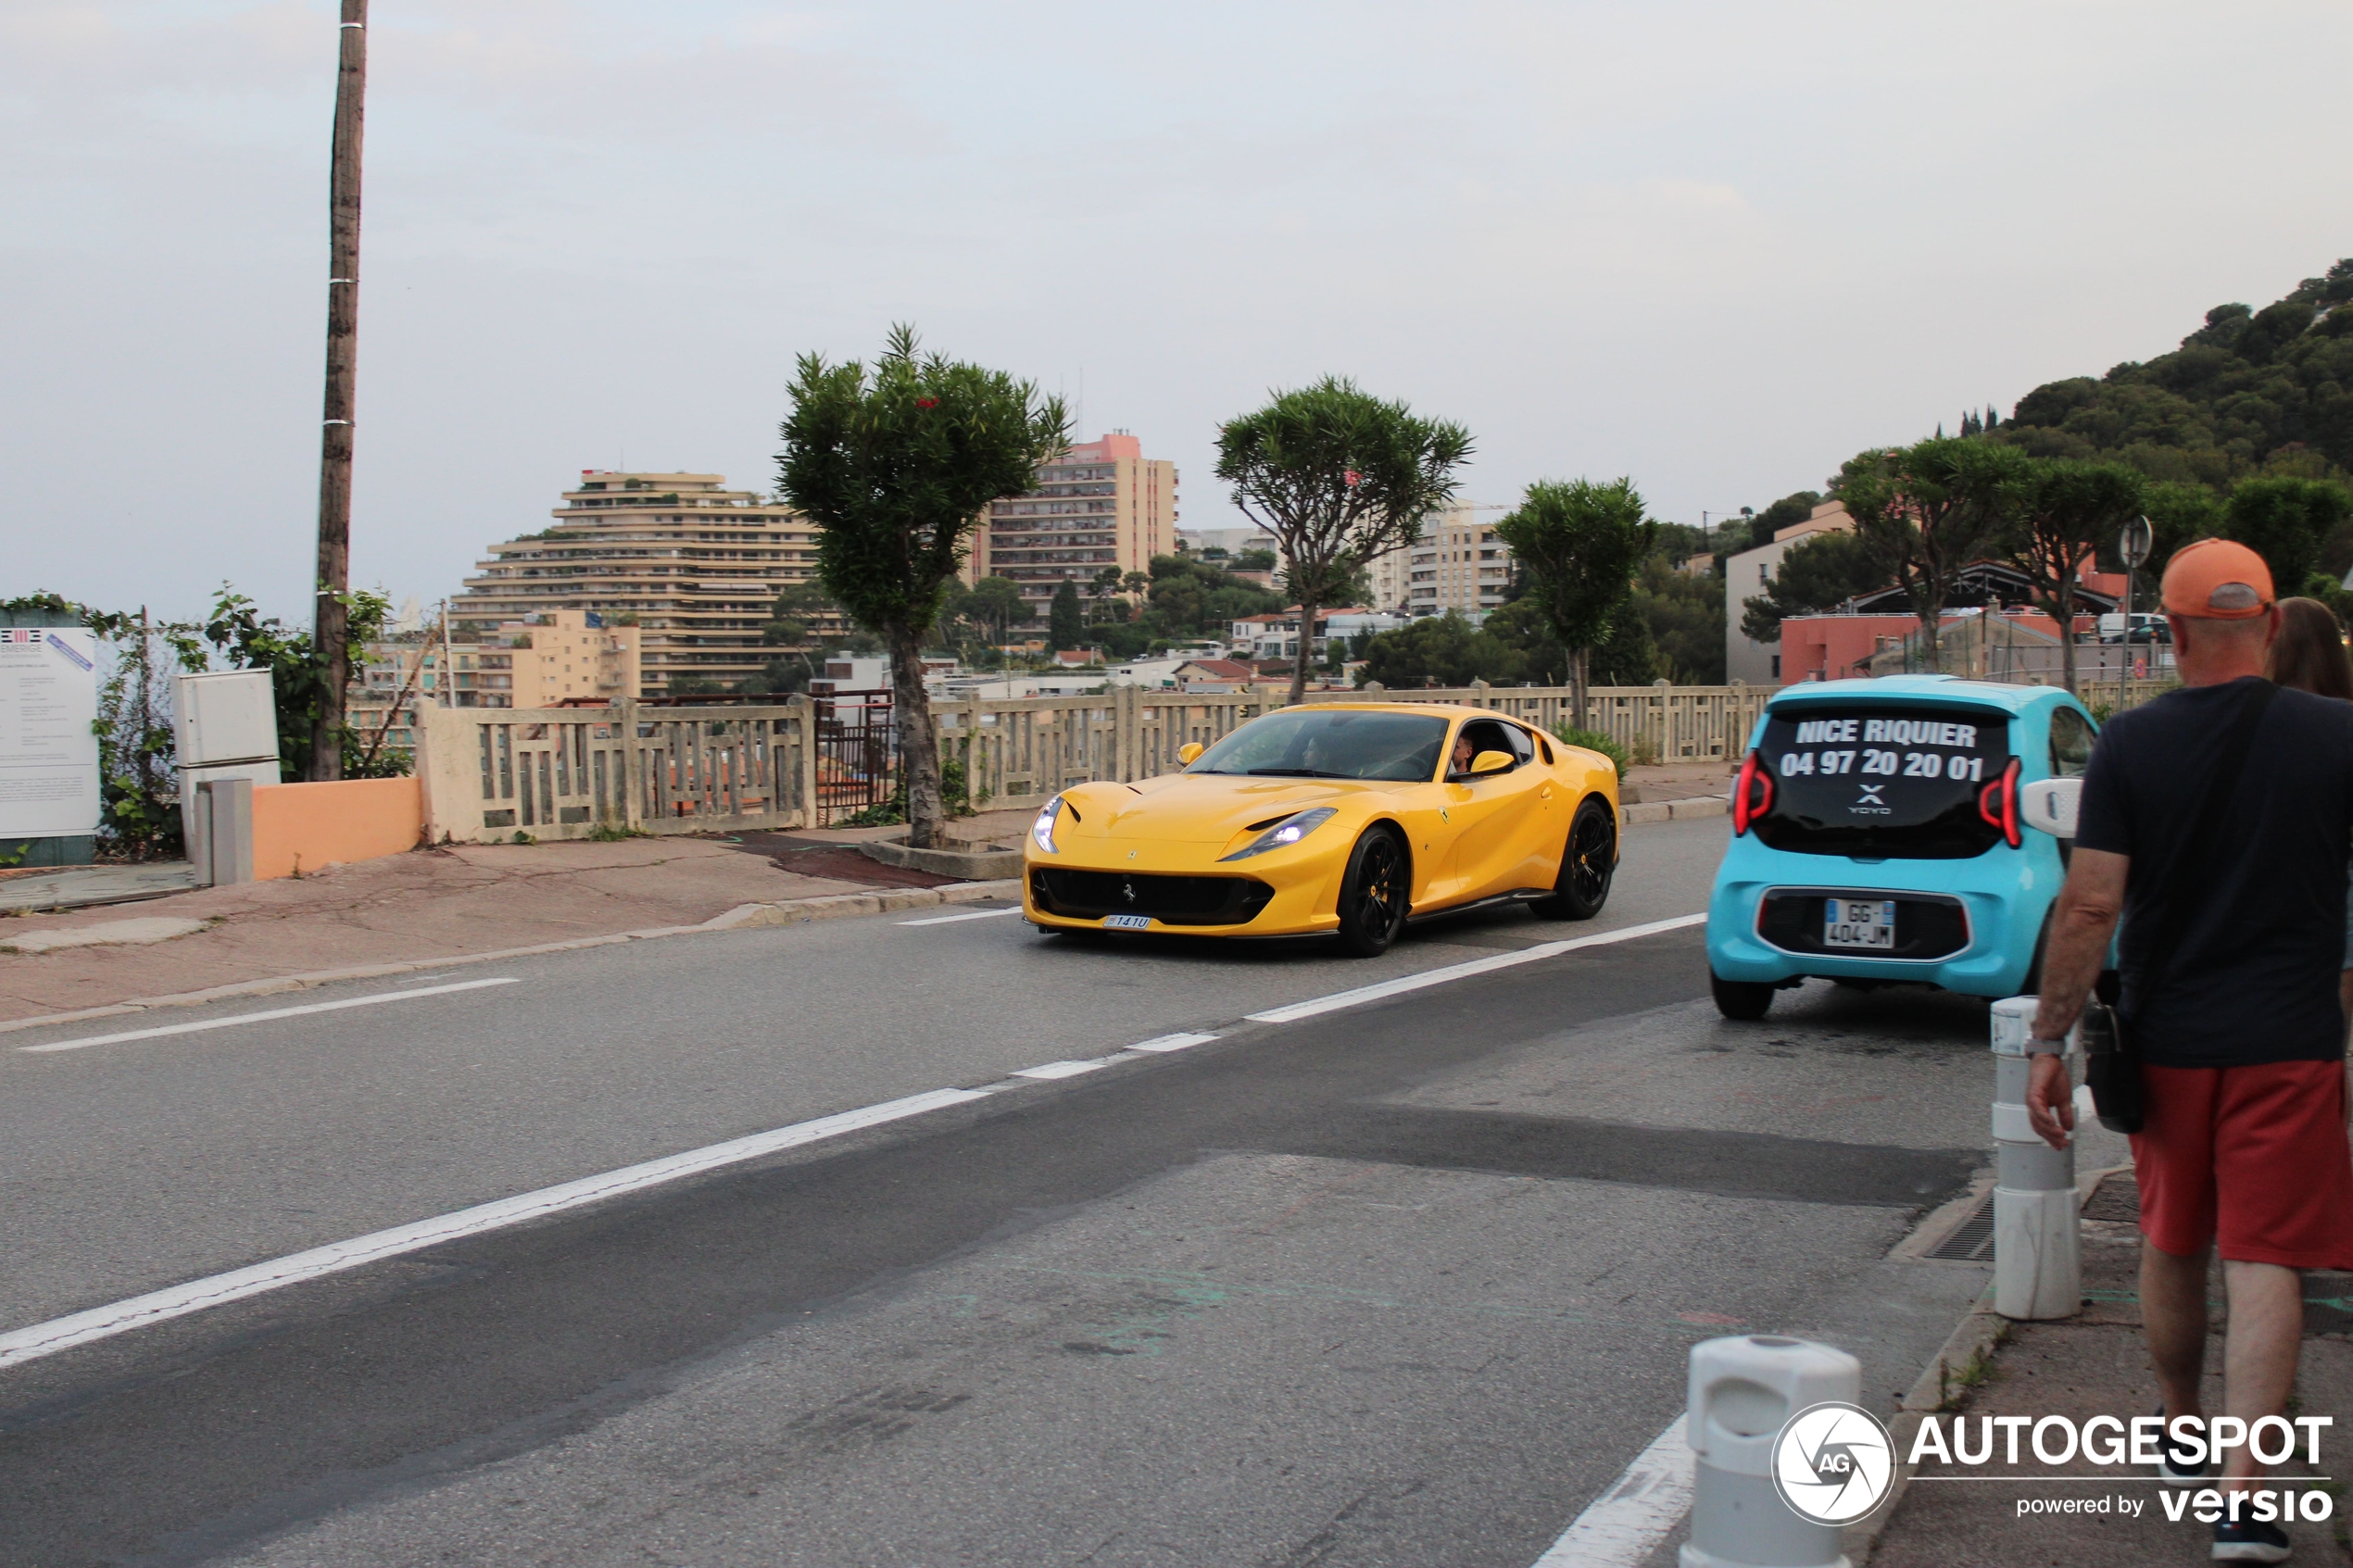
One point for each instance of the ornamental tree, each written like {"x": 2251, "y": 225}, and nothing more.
{"x": 893, "y": 463}
{"x": 1578, "y": 546}
{"x": 2059, "y": 512}
{"x": 1927, "y": 511}
{"x": 1339, "y": 478}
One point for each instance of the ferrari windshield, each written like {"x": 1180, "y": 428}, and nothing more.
{"x": 1322, "y": 744}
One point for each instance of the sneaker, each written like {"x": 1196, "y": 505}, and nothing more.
{"x": 2173, "y": 1456}
{"x": 2247, "y": 1541}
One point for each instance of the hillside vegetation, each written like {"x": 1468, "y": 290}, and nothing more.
{"x": 2248, "y": 391}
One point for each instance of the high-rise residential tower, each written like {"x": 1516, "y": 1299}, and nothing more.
{"x": 693, "y": 565}
{"x": 1101, "y": 504}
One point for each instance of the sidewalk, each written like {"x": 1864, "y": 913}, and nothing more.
{"x": 2095, "y": 1364}
{"x": 427, "y": 905}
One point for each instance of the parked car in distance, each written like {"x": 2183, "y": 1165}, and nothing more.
{"x": 2147, "y": 628}
{"x": 1877, "y": 839}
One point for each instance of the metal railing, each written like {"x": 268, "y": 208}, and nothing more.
{"x": 490, "y": 773}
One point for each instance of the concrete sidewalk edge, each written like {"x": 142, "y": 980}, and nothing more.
{"x": 1675, "y": 810}
{"x": 789, "y": 911}
{"x": 1958, "y": 1364}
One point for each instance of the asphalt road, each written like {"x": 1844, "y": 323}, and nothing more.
{"x": 1408, "y": 1282}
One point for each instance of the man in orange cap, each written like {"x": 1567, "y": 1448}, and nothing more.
{"x": 2233, "y": 910}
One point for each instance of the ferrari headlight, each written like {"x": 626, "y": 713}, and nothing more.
{"x": 1043, "y": 830}
{"x": 1288, "y": 832}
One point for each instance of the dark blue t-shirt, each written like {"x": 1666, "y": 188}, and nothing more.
{"x": 2255, "y": 977}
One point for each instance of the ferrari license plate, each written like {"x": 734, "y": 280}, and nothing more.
{"x": 1128, "y": 922}
{"x": 1863, "y": 925}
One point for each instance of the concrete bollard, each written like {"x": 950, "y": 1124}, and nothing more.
{"x": 1744, "y": 1390}
{"x": 2038, "y": 1269}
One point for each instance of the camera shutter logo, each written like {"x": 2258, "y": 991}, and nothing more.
{"x": 1832, "y": 1462}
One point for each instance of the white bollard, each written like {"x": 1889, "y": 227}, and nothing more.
{"x": 2038, "y": 1268}
{"x": 1744, "y": 1390}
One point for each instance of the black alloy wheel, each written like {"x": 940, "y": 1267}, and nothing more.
{"x": 1588, "y": 862}
{"x": 1374, "y": 894}
{"x": 1744, "y": 999}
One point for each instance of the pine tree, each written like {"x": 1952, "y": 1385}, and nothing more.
{"x": 1065, "y": 622}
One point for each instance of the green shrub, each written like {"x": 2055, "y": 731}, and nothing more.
{"x": 1593, "y": 740}
{"x": 954, "y": 788}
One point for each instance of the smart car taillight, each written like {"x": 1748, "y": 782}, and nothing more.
{"x": 1997, "y": 803}
{"x": 1751, "y": 795}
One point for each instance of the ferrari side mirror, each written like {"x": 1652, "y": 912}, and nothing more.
{"x": 2049, "y": 805}
{"x": 1491, "y": 762}
{"x": 1188, "y": 751}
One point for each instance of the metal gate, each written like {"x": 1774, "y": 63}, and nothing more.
{"x": 857, "y": 754}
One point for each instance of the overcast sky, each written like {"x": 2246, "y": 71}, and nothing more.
{"x": 1718, "y": 247}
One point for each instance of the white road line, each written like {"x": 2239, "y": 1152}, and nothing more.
{"x": 950, "y": 919}
{"x": 1291, "y": 1012}
{"x": 1061, "y": 1069}
{"x": 100, "y": 1322}
{"x": 1172, "y": 1042}
{"x": 261, "y": 1017}
{"x": 1634, "y": 1513}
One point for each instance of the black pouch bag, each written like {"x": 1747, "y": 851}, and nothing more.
{"x": 2111, "y": 1066}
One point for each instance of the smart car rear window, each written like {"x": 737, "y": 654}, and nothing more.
{"x": 1882, "y": 782}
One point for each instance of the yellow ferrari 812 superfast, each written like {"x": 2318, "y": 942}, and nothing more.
{"x": 1347, "y": 818}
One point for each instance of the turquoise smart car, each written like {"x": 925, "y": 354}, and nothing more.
{"x": 1877, "y": 839}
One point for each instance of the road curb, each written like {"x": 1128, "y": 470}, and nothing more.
{"x": 1675, "y": 810}
{"x": 788, "y": 911}
{"x": 1959, "y": 1364}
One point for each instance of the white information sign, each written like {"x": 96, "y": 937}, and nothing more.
{"x": 48, "y": 753}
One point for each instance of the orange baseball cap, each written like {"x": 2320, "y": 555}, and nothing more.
{"x": 2217, "y": 579}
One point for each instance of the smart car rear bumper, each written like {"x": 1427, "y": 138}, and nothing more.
{"x": 2003, "y": 924}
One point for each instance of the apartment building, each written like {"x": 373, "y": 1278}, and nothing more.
{"x": 693, "y": 566}
{"x": 547, "y": 661}
{"x": 1100, "y": 504}
{"x": 1749, "y": 574}
{"x": 1459, "y": 563}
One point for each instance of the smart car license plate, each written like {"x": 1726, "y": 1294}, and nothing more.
{"x": 1865, "y": 925}
{"x": 1128, "y": 922}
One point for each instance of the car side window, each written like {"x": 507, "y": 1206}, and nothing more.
{"x": 1523, "y": 745}
{"x": 2071, "y": 738}
{"x": 1486, "y": 734}
{"x": 1546, "y": 748}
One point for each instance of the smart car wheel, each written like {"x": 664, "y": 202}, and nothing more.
{"x": 1588, "y": 862}
{"x": 1744, "y": 999}
{"x": 1372, "y": 893}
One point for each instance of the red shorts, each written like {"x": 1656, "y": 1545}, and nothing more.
{"x": 2255, "y": 1157}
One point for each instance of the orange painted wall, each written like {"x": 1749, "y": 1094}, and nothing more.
{"x": 306, "y": 826}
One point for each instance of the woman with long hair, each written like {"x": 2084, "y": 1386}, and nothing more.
{"x": 2309, "y": 655}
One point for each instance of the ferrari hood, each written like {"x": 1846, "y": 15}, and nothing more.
{"x": 1194, "y": 808}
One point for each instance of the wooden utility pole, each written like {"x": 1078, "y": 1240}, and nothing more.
{"x": 331, "y": 626}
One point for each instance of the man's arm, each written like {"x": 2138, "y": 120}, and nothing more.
{"x": 2081, "y": 925}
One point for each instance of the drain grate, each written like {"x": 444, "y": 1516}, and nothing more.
{"x": 1972, "y": 1239}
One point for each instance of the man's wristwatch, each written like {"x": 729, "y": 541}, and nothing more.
{"x": 2037, "y": 1045}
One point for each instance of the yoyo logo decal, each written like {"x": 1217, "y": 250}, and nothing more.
{"x": 1832, "y": 1462}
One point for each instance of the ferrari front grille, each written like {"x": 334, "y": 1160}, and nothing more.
{"x": 1172, "y": 900}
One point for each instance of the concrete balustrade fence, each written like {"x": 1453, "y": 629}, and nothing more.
{"x": 490, "y": 774}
